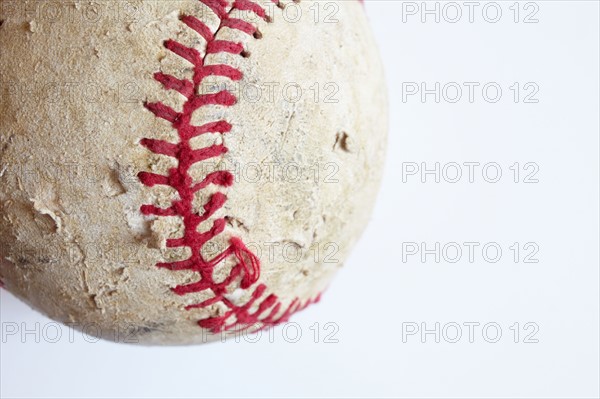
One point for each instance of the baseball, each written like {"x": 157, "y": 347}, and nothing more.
{"x": 178, "y": 170}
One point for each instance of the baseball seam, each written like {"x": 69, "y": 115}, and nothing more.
{"x": 246, "y": 271}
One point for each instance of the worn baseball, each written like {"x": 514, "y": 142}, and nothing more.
{"x": 174, "y": 170}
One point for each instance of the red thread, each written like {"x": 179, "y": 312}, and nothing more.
{"x": 160, "y": 147}
{"x": 247, "y": 5}
{"x": 222, "y": 70}
{"x": 223, "y": 46}
{"x": 190, "y": 54}
{"x": 246, "y": 271}
{"x": 185, "y": 87}
{"x": 198, "y": 26}
{"x": 217, "y": 6}
{"x": 240, "y": 25}
{"x": 163, "y": 111}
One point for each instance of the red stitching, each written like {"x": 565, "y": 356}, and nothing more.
{"x": 198, "y": 26}
{"x": 247, "y": 5}
{"x": 219, "y": 46}
{"x": 246, "y": 271}
{"x": 162, "y": 111}
{"x": 188, "y": 53}
{"x": 217, "y": 6}
{"x": 240, "y": 25}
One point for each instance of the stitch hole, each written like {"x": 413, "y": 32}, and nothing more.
{"x": 1, "y": 22}
{"x": 257, "y": 34}
{"x": 245, "y": 54}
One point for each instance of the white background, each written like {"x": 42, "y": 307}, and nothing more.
{"x": 378, "y": 294}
